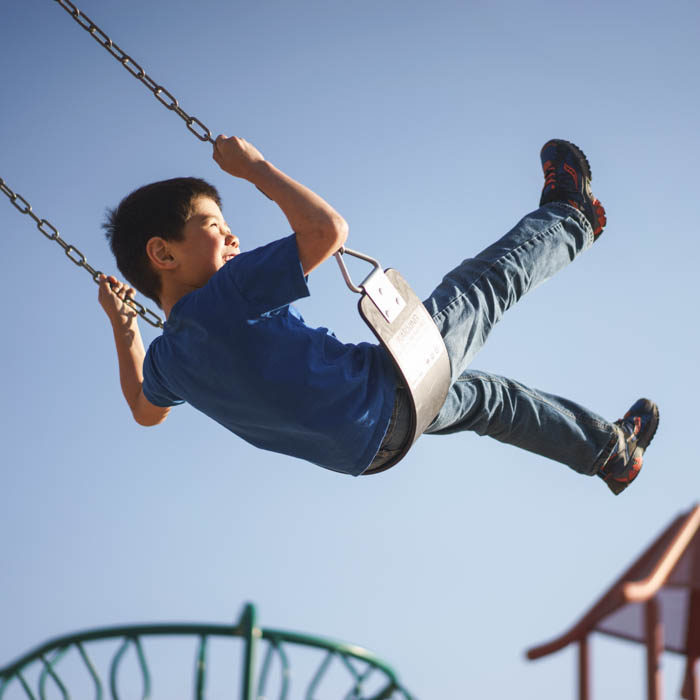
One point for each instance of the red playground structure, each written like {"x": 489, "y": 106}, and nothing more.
{"x": 656, "y": 602}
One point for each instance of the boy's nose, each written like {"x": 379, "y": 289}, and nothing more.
{"x": 232, "y": 240}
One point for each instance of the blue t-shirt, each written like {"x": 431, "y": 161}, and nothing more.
{"x": 237, "y": 351}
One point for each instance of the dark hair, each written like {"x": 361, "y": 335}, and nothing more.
{"x": 159, "y": 209}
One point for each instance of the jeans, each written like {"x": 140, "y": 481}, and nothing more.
{"x": 466, "y": 305}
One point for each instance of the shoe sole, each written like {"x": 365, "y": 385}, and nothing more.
{"x": 649, "y": 433}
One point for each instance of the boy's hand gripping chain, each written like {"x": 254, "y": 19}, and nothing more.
{"x": 163, "y": 96}
{"x": 403, "y": 326}
{"x": 74, "y": 255}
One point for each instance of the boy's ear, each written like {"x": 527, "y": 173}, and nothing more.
{"x": 159, "y": 253}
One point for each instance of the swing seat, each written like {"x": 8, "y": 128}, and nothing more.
{"x": 405, "y": 329}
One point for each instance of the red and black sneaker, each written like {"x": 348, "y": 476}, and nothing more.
{"x": 636, "y": 431}
{"x": 567, "y": 178}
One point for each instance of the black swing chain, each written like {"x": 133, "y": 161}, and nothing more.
{"x": 74, "y": 255}
{"x": 163, "y": 96}
{"x": 166, "y": 98}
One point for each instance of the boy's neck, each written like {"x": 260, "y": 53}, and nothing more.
{"x": 171, "y": 293}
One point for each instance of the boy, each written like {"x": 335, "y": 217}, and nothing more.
{"x": 235, "y": 348}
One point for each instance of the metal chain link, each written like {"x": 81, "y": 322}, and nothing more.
{"x": 73, "y": 254}
{"x": 163, "y": 96}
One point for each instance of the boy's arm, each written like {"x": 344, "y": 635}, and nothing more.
{"x": 319, "y": 229}
{"x": 130, "y": 350}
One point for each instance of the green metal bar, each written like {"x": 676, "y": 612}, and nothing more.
{"x": 360, "y": 678}
{"x": 92, "y": 670}
{"x": 286, "y": 673}
{"x": 262, "y": 678}
{"x": 250, "y": 635}
{"x": 275, "y": 647}
{"x": 116, "y": 660}
{"x": 25, "y": 685}
{"x": 48, "y": 671}
{"x": 144, "y": 669}
{"x": 118, "y": 633}
{"x": 343, "y": 648}
{"x": 353, "y": 693}
{"x": 353, "y": 671}
{"x": 114, "y": 669}
{"x": 245, "y": 629}
{"x": 200, "y": 669}
{"x": 212, "y": 630}
{"x": 318, "y": 676}
{"x": 356, "y": 691}
{"x": 386, "y": 693}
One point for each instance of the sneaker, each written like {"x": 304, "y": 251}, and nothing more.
{"x": 567, "y": 178}
{"x": 636, "y": 431}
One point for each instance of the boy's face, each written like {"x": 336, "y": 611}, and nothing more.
{"x": 207, "y": 244}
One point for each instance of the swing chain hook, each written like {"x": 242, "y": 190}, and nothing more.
{"x": 338, "y": 255}
{"x": 72, "y": 253}
{"x": 165, "y": 97}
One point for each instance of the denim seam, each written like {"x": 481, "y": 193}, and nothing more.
{"x": 573, "y": 212}
{"x": 539, "y": 399}
{"x": 546, "y": 232}
{"x": 604, "y": 453}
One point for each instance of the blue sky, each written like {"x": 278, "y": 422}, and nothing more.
{"x": 421, "y": 123}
